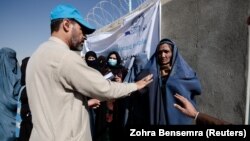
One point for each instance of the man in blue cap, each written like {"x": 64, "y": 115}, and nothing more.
{"x": 58, "y": 82}
{"x": 65, "y": 14}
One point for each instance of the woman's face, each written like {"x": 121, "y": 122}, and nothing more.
{"x": 118, "y": 77}
{"x": 164, "y": 54}
{"x": 112, "y": 60}
{"x": 113, "y": 56}
{"x": 91, "y": 58}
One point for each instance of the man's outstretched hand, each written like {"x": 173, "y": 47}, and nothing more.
{"x": 144, "y": 81}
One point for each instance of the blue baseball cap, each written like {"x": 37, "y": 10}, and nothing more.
{"x": 68, "y": 11}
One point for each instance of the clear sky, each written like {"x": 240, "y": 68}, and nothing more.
{"x": 25, "y": 24}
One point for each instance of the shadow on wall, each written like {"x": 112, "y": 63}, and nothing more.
{"x": 212, "y": 36}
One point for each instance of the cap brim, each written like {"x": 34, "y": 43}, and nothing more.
{"x": 88, "y": 30}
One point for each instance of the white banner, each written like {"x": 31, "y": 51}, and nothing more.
{"x": 139, "y": 34}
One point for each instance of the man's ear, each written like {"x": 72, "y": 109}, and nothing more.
{"x": 66, "y": 25}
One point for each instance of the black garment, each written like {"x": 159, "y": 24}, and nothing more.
{"x": 102, "y": 127}
{"x": 26, "y": 124}
{"x": 92, "y": 63}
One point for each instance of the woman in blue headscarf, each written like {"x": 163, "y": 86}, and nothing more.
{"x": 154, "y": 104}
{"x": 10, "y": 85}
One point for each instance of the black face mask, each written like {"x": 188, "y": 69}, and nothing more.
{"x": 92, "y": 64}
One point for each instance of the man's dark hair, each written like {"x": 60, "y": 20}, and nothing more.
{"x": 55, "y": 24}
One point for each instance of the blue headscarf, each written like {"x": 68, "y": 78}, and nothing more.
{"x": 158, "y": 99}
{"x": 10, "y": 76}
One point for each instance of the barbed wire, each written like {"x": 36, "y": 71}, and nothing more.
{"x": 108, "y": 11}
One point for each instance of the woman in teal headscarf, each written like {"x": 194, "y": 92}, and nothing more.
{"x": 10, "y": 85}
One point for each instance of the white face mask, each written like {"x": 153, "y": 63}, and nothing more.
{"x": 112, "y": 62}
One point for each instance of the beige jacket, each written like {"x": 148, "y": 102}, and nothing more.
{"x": 58, "y": 81}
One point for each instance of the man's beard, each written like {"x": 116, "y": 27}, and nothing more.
{"x": 77, "y": 48}
{"x": 75, "y": 45}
